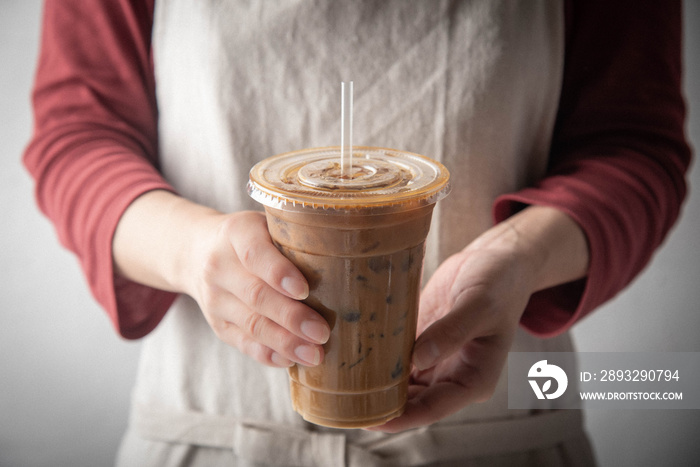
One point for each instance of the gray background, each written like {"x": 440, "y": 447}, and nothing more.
{"x": 65, "y": 376}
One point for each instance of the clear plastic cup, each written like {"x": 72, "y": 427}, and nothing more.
{"x": 359, "y": 239}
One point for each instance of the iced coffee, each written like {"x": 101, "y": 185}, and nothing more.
{"x": 358, "y": 237}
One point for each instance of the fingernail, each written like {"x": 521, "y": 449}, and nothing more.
{"x": 296, "y": 288}
{"x": 309, "y": 354}
{"x": 426, "y": 355}
{"x": 316, "y": 331}
{"x": 279, "y": 360}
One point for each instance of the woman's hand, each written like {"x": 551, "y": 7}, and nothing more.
{"x": 471, "y": 307}
{"x": 249, "y": 294}
{"x": 248, "y": 291}
{"x": 469, "y": 312}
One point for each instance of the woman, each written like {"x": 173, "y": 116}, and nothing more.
{"x": 561, "y": 122}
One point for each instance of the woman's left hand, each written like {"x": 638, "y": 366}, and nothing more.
{"x": 469, "y": 313}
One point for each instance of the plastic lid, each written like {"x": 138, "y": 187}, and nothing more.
{"x": 380, "y": 180}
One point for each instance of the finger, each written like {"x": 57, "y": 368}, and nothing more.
{"x": 464, "y": 322}
{"x": 428, "y": 406}
{"x": 467, "y": 377}
{"x": 257, "y": 253}
{"x": 230, "y": 317}
{"x": 259, "y": 352}
{"x": 225, "y": 270}
{"x": 259, "y": 296}
{"x": 436, "y": 298}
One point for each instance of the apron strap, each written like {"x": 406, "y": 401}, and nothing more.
{"x": 474, "y": 439}
{"x": 284, "y": 445}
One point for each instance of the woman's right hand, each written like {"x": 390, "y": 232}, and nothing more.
{"x": 248, "y": 291}
{"x": 249, "y": 294}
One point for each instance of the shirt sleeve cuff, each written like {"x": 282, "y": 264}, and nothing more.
{"x": 134, "y": 309}
{"x": 551, "y": 311}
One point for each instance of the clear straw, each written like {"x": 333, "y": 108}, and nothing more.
{"x": 346, "y": 134}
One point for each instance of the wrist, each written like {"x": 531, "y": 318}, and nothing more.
{"x": 155, "y": 241}
{"x": 547, "y": 245}
{"x": 553, "y": 244}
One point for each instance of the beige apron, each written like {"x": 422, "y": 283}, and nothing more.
{"x": 474, "y": 84}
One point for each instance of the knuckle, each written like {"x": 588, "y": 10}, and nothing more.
{"x": 208, "y": 300}
{"x": 254, "y": 325}
{"x": 254, "y": 293}
{"x": 211, "y": 268}
{"x": 250, "y": 253}
{"x": 229, "y": 225}
{"x": 220, "y": 328}
{"x": 288, "y": 315}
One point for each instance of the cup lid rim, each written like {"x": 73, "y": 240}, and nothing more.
{"x": 273, "y": 182}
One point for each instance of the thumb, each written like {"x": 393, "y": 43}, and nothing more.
{"x": 437, "y": 298}
{"x": 448, "y": 334}
{"x": 471, "y": 316}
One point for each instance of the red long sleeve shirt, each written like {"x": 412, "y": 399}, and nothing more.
{"x": 617, "y": 166}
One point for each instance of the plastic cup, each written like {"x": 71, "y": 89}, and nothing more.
{"x": 359, "y": 239}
